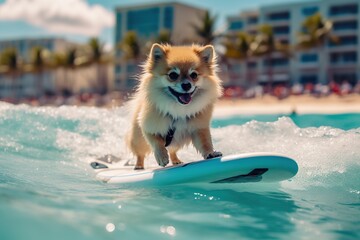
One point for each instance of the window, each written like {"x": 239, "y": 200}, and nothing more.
{"x": 251, "y": 65}
{"x": 235, "y": 67}
{"x": 281, "y": 30}
{"x": 345, "y": 25}
{"x": 118, "y": 32}
{"x": 343, "y": 57}
{"x": 252, "y": 20}
{"x": 276, "y": 62}
{"x": 130, "y": 68}
{"x": 236, "y": 25}
{"x": 347, "y": 9}
{"x": 345, "y": 41}
{"x": 145, "y": 21}
{"x": 308, "y": 78}
{"x": 311, "y": 10}
{"x": 117, "y": 69}
{"x": 348, "y": 77}
{"x": 278, "y": 16}
{"x": 168, "y": 17}
{"x": 309, "y": 57}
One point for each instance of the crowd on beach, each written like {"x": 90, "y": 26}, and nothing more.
{"x": 282, "y": 91}
{"x": 116, "y": 98}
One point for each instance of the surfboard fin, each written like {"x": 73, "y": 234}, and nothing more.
{"x": 253, "y": 176}
{"x": 97, "y": 165}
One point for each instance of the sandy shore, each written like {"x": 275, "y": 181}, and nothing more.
{"x": 300, "y": 104}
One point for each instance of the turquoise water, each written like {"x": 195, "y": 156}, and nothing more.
{"x": 48, "y": 190}
{"x": 345, "y": 121}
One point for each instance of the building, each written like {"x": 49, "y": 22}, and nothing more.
{"x": 148, "y": 21}
{"x": 26, "y": 84}
{"x": 53, "y": 81}
{"x": 24, "y": 46}
{"x": 333, "y": 62}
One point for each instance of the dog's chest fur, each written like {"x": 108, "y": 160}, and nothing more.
{"x": 182, "y": 134}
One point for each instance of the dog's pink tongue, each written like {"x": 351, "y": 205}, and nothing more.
{"x": 185, "y": 98}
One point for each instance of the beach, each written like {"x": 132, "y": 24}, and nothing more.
{"x": 267, "y": 104}
{"x": 301, "y": 104}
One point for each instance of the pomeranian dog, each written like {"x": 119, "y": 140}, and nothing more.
{"x": 174, "y": 103}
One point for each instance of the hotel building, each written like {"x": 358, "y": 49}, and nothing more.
{"x": 148, "y": 21}
{"x": 26, "y": 84}
{"x": 333, "y": 62}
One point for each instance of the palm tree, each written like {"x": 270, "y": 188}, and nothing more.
{"x": 164, "y": 37}
{"x": 207, "y": 28}
{"x": 10, "y": 65}
{"x": 98, "y": 57}
{"x": 55, "y": 62}
{"x": 315, "y": 32}
{"x": 265, "y": 45}
{"x": 38, "y": 64}
{"x": 132, "y": 50}
{"x": 130, "y": 46}
{"x": 237, "y": 46}
{"x": 69, "y": 64}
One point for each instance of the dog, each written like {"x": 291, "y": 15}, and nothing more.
{"x": 173, "y": 103}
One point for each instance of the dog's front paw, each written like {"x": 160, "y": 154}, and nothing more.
{"x": 214, "y": 154}
{"x": 139, "y": 167}
{"x": 162, "y": 157}
{"x": 176, "y": 162}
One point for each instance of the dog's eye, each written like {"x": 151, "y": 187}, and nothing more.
{"x": 193, "y": 75}
{"x": 173, "y": 76}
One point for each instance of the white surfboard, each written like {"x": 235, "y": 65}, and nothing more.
{"x": 241, "y": 168}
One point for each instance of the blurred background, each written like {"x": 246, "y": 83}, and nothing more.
{"x": 88, "y": 52}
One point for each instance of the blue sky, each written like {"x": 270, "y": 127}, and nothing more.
{"x": 77, "y": 20}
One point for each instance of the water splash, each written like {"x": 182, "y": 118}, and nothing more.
{"x": 44, "y": 154}
{"x": 85, "y": 133}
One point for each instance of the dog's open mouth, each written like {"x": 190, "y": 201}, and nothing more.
{"x": 183, "y": 98}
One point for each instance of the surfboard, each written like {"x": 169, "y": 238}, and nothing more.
{"x": 240, "y": 168}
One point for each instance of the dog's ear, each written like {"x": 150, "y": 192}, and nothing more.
{"x": 157, "y": 53}
{"x": 207, "y": 53}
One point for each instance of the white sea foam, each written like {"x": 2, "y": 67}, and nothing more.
{"x": 87, "y": 133}
{"x": 318, "y": 151}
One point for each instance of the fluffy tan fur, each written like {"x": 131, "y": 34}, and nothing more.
{"x": 156, "y": 108}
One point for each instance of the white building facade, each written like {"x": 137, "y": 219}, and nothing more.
{"x": 333, "y": 62}
{"x": 26, "y": 85}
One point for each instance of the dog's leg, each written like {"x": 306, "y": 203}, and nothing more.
{"x": 201, "y": 139}
{"x": 158, "y": 146}
{"x": 139, "y": 162}
{"x": 138, "y": 146}
{"x": 174, "y": 158}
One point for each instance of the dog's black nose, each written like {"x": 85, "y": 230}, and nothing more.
{"x": 186, "y": 86}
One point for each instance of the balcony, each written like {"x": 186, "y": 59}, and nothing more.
{"x": 276, "y": 64}
{"x": 278, "y": 18}
{"x": 343, "y": 58}
{"x": 345, "y": 42}
{"x": 281, "y": 31}
{"x": 346, "y": 27}
{"x": 308, "y": 78}
{"x": 252, "y": 20}
{"x": 308, "y": 60}
{"x": 343, "y": 12}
